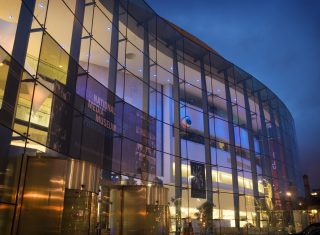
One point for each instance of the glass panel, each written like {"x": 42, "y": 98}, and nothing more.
{"x": 9, "y": 16}
{"x": 4, "y": 72}
{"x": 101, "y": 29}
{"x": 226, "y": 211}
{"x": 40, "y": 10}
{"x": 53, "y": 62}
{"x": 59, "y": 23}
{"x": 99, "y": 63}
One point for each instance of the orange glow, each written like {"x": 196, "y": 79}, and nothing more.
{"x": 42, "y": 196}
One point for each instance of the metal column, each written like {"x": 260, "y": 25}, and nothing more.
{"x": 10, "y": 99}
{"x": 252, "y": 152}
{"x": 146, "y": 70}
{"x": 233, "y": 156}
{"x": 266, "y": 152}
{"x": 114, "y": 46}
{"x": 73, "y": 68}
{"x": 264, "y": 136}
{"x": 19, "y": 53}
{"x": 276, "y": 157}
{"x": 177, "y": 142}
{"x": 207, "y": 141}
{"x": 112, "y": 84}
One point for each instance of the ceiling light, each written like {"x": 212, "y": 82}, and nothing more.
{"x": 168, "y": 80}
{"x": 108, "y": 28}
{"x": 218, "y": 90}
{"x": 10, "y": 17}
{"x": 60, "y": 66}
{"x": 197, "y": 80}
{"x": 1, "y": 64}
{"x": 41, "y": 5}
{"x": 171, "y": 68}
{"x": 140, "y": 70}
{"x": 154, "y": 75}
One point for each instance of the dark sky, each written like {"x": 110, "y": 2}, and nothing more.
{"x": 276, "y": 41}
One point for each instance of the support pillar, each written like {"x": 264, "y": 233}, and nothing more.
{"x": 73, "y": 67}
{"x": 112, "y": 84}
{"x": 233, "y": 156}
{"x": 275, "y": 158}
{"x": 207, "y": 143}
{"x": 114, "y": 46}
{"x": 177, "y": 142}
{"x": 252, "y": 153}
{"x": 146, "y": 71}
{"x": 19, "y": 53}
{"x": 266, "y": 157}
{"x": 10, "y": 101}
{"x": 167, "y": 134}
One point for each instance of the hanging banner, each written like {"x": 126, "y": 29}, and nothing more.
{"x": 198, "y": 180}
{"x": 139, "y": 154}
{"x": 58, "y": 127}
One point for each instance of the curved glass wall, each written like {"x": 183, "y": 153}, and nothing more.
{"x": 115, "y": 121}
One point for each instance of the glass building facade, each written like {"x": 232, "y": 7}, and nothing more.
{"x": 115, "y": 121}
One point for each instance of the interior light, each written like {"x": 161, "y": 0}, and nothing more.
{"x": 41, "y": 5}
{"x": 1, "y": 64}
{"x": 108, "y": 28}
{"x": 198, "y": 80}
{"x": 60, "y": 66}
{"x": 10, "y": 17}
{"x": 218, "y": 90}
{"x": 140, "y": 70}
{"x": 171, "y": 68}
{"x": 154, "y": 75}
{"x": 168, "y": 80}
